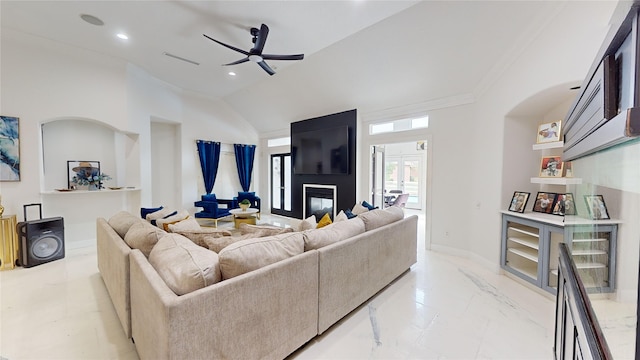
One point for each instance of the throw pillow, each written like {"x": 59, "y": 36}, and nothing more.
{"x": 178, "y": 216}
{"x": 146, "y": 211}
{"x": 308, "y": 223}
{"x": 217, "y": 243}
{"x": 324, "y": 221}
{"x": 158, "y": 214}
{"x": 122, "y": 221}
{"x": 186, "y": 224}
{"x": 349, "y": 214}
{"x": 262, "y": 230}
{"x": 359, "y": 209}
{"x": 342, "y": 216}
{"x": 184, "y": 266}
{"x": 199, "y": 236}
{"x": 143, "y": 236}
{"x": 251, "y": 254}
{"x": 368, "y": 206}
{"x": 338, "y": 231}
{"x": 379, "y": 217}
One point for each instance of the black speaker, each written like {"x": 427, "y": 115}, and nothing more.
{"x": 41, "y": 241}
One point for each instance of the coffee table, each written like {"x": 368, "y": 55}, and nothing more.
{"x": 244, "y": 216}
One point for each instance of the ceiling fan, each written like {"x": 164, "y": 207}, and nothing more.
{"x": 255, "y": 54}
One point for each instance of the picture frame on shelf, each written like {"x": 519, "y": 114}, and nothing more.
{"x": 564, "y": 205}
{"x": 551, "y": 166}
{"x": 549, "y": 132}
{"x": 567, "y": 168}
{"x": 9, "y": 148}
{"x": 544, "y": 202}
{"x": 596, "y": 207}
{"x": 519, "y": 201}
{"x": 80, "y": 174}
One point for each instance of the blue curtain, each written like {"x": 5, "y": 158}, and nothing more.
{"x": 244, "y": 162}
{"x": 209, "y": 153}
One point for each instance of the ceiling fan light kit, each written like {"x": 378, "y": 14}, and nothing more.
{"x": 255, "y": 53}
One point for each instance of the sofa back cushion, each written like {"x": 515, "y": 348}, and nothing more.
{"x": 122, "y": 221}
{"x": 189, "y": 224}
{"x": 262, "y": 230}
{"x": 143, "y": 236}
{"x": 341, "y": 230}
{"x": 183, "y": 265}
{"x": 251, "y": 254}
{"x": 379, "y": 217}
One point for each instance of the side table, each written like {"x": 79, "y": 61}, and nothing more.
{"x": 9, "y": 246}
{"x": 244, "y": 216}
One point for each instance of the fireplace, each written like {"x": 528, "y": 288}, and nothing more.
{"x": 319, "y": 200}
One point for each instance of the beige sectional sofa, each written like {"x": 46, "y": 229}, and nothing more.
{"x": 266, "y": 312}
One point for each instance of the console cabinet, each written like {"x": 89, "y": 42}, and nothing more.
{"x": 530, "y": 250}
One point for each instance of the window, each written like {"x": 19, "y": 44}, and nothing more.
{"x": 283, "y": 141}
{"x": 399, "y": 125}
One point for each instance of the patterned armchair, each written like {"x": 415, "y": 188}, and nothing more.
{"x": 251, "y": 196}
{"x": 214, "y": 209}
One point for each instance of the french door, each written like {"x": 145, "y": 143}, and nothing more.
{"x": 377, "y": 176}
{"x": 281, "y": 184}
{"x": 404, "y": 174}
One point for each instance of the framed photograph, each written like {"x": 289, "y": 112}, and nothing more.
{"x": 544, "y": 202}
{"x": 549, "y": 132}
{"x": 551, "y": 166}
{"x": 81, "y": 173}
{"x": 597, "y": 208}
{"x": 568, "y": 169}
{"x": 565, "y": 205}
{"x": 519, "y": 201}
{"x": 9, "y": 148}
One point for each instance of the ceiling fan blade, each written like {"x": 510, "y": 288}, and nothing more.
{"x": 282, "y": 57}
{"x": 266, "y": 67}
{"x": 237, "y": 62}
{"x": 227, "y": 46}
{"x": 261, "y": 40}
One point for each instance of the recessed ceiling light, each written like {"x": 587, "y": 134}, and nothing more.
{"x": 91, "y": 19}
{"x": 232, "y": 73}
{"x": 123, "y": 36}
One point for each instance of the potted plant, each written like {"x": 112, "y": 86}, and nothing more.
{"x": 244, "y": 204}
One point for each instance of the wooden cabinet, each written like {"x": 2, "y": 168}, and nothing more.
{"x": 530, "y": 244}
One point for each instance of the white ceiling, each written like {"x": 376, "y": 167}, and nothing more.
{"x": 369, "y": 55}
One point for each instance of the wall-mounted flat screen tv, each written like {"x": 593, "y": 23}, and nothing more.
{"x": 324, "y": 151}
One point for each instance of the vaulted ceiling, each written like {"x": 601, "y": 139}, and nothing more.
{"x": 369, "y": 55}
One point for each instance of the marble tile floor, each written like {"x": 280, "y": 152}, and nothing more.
{"x": 445, "y": 307}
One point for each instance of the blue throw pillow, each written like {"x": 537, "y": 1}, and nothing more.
{"x": 145, "y": 211}
{"x": 368, "y": 206}
{"x": 350, "y": 215}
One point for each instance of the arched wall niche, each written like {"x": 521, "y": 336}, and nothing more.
{"x": 80, "y": 139}
{"x": 83, "y": 139}
{"x": 520, "y": 162}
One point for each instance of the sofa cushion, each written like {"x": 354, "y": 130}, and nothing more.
{"x": 165, "y": 222}
{"x": 199, "y": 236}
{"x": 341, "y": 230}
{"x": 324, "y": 221}
{"x": 143, "y": 236}
{"x": 359, "y": 209}
{"x": 308, "y": 223}
{"x": 262, "y": 230}
{"x": 183, "y": 265}
{"x": 122, "y": 221}
{"x": 251, "y": 254}
{"x": 380, "y": 217}
{"x": 186, "y": 224}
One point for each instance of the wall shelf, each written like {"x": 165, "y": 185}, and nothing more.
{"x": 56, "y": 192}
{"x": 549, "y": 145}
{"x": 556, "y": 181}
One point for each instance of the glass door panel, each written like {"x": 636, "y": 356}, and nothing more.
{"x": 281, "y": 184}
{"x": 412, "y": 180}
{"x": 276, "y": 184}
{"x": 378, "y": 185}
